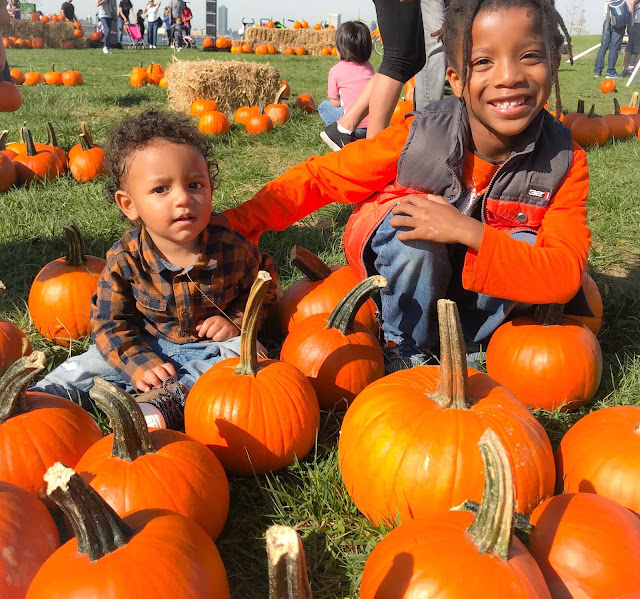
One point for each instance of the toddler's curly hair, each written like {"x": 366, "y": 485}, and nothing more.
{"x": 136, "y": 132}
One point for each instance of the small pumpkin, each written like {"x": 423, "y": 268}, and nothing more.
{"x": 607, "y": 86}
{"x": 60, "y": 295}
{"x": 96, "y": 37}
{"x": 306, "y": 103}
{"x": 300, "y": 50}
{"x": 317, "y": 27}
{"x": 244, "y": 113}
{"x": 286, "y": 92}
{"x": 202, "y": 105}
{"x": 32, "y": 77}
{"x": 10, "y": 96}
{"x": 35, "y": 16}
{"x": 247, "y": 48}
{"x": 84, "y": 129}
{"x": 621, "y": 126}
{"x": 164, "y": 82}
{"x": 89, "y": 162}
{"x": 304, "y": 24}
{"x": 52, "y": 142}
{"x": 153, "y": 78}
{"x": 18, "y": 76}
{"x": 207, "y": 42}
{"x": 297, "y": 25}
{"x": 572, "y": 117}
{"x": 13, "y": 342}
{"x": 7, "y": 179}
{"x": 72, "y": 78}
{"x": 271, "y": 49}
{"x": 632, "y": 107}
{"x": 590, "y": 131}
{"x": 33, "y": 164}
{"x": 53, "y": 77}
{"x": 114, "y": 558}
{"x": 137, "y": 79}
{"x": 289, "y": 51}
{"x": 325, "y": 51}
{"x": 258, "y": 124}
{"x": 155, "y": 68}
{"x": 214, "y": 123}
{"x": 261, "y": 49}
{"x": 78, "y": 33}
{"x": 278, "y": 113}
{"x": 37, "y": 43}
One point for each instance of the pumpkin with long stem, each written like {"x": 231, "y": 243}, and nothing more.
{"x": 599, "y": 454}
{"x": 38, "y": 429}
{"x": 456, "y": 554}
{"x": 89, "y": 163}
{"x": 572, "y": 117}
{"x": 153, "y": 553}
{"x": 10, "y": 96}
{"x": 135, "y": 469}
{"x": 279, "y": 113}
{"x": 34, "y": 164}
{"x": 53, "y": 77}
{"x": 52, "y": 141}
{"x": 621, "y": 126}
{"x": 13, "y": 342}
{"x": 84, "y": 129}
{"x": 590, "y": 130}
{"x": 32, "y": 77}
{"x": 586, "y": 546}
{"x": 319, "y": 291}
{"x": 255, "y": 415}
{"x": 60, "y": 295}
{"x": 406, "y": 443}
{"x": 337, "y": 354}
{"x": 545, "y": 360}
{"x": 28, "y": 536}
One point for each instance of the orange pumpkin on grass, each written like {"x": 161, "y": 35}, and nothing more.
{"x": 84, "y": 129}
{"x": 13, "y": 342}
{"x": 289, "y": 51}
{"x": 278, "y": 113}
{"x": 89, "y": 162}
{"x": 607, "y": 86}
{"x": 406, "y": 442}
{"x": 214, "y": 123}
{"x": 52, "y": 142}
{"x": 53, "y": 77}
{"x": 10, "y": 96}
{"x": 244, "y": 113}
{"x": 259, "y": 123}
{"x": 37, "y": 43}
{"x": 247, "y": 49}
{"x": 590, "y": 130}
{"x": 261, "y": 49}
{"x": 33, "y": 164}
{"x": 572, "y": 117}
{"x": 7, "y": 179}
{"x": 72, "y": 78}
{"x": 621, "y": 126}
{"x": 202, "y": 105}
{"x": 60, "y": 295}
{"x": 155, "y": 68}
{"x": 32, "y": 77}
{"x": 306, "y": 103}
{"x": 207, "y": 42}
{"x": 18, "y": 76}
{"x": 300, "y": 50}
{"x": 271, "y": 49}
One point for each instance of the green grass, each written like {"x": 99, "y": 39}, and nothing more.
{"x": 308, "y": 495}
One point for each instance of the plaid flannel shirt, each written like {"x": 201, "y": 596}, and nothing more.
{"x": 139, "y": 293}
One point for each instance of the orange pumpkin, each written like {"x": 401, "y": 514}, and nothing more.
{"x": 255, "y": 415}
{"x": 72, "y": 78}
{"x": 286, "y": 91}
{"x": 201, "y": 105}
{"x": 599, "y": 454}
{"x": 317, "y": 27}
{"x": 7, "y": 42}
{"x": 261, "y": 49}
{"x": 37, "y": 43}
{"x": 18, "y": 76}
{"x": 572, "y": 117}
{"x": 7, "y": 179}
{"x": 271, "y": 49}
{"x": 607, "y": 86}
{"x": 84, "y": 129}
{"x": 78, "y": 33}
{"x": 52, "y": 142}
{"x": 115, "y": 558}
{"x": 632, "y": 108}
{"x": 279, "y": 113}
{"x": 325, "y": 51}
{"x": 131, "y": 467}
{"x": 259, "y": 123}
{"x": 621, "y": 126}
{"x": 32, "y": 163}
{"x": 270, "y": 24}
{"x": 306, "y": 103}
{"x": 403, "y": 107}
{"x": 164, "y": 82}
{"x": 334, "y": 51}
{"x": 32, "y": 78}
{"x": 77, "y": 25}
{"x": 53, "y": 77}
{"x": 289, "y": 51}
{"x": 13, "y": 342}
{"x": 153, "y": 78}
{"x": 338, "y": 355}
{"x": 54, "y": 427}
{"x": 456, "y": 554}
{"x": 35, "y": 16}
{"x": 297, "y": 25}
{"x": 236, "y": 49}
{"x": 442, "y": 415}
{"x": 137, "y": 79}
{"x": 96, "y": 37}
{"x": 155, "y": 68}
{"x": 247, "y": 48}
{"x": 244, "y": 113}
{"x": 214, "y": 123}
{"x": 590, "y": 131}
{"x": 304, "y": 24}
{"x": 89, "y": 162}
{"x": 10, "y": 96}
{"x": 60, "y": 295}
{"x": 300, "y": 50}
{"x": 207, "y": 42}
{"x": 567, "y": 367}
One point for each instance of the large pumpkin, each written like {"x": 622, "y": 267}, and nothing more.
{"x": 546, "y": 361}
{"x": 587, "y": 547}
{"x": 590, "y": 130}
{"x": 38, "y": 429}
{"x": 599, "y": 454}
{"x": 319, "y": 291}
{"x": 621, "y": 126}
{"x": 134, "y": 469}
{"x": 255, "y": 415}
{"x": 456, "y": 555}
{"x": 150, "y": 553}
{"x": 60, "y": 295}
{"x": 407, "y": 443}
{"x": 339, "y": 356}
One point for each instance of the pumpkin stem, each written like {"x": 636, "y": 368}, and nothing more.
{"x": 493, "y": 524}
{"x": 84, "y": 142}
{"x": 344, "y": 314}
{"x": 311, "y": 266}
{"x": 287, "y": 565}
{"x": 580, "y": 106}
{"x": 130, "y": 433}
{"x": 548, "y": 314}
{"x": 521, "y": 522}
{"x": 75, "y": 255}
{"x": 634, "y": 100}
{"x": 279, "y": 94}
{"x": 616, "y": 106}
{"x": 249, "y": 333}
{"x": 14, "y": 382}
{"x": 87, "y": 132}
{"x": 592, "y": 112}
{"x": 52, "y": 139}
{"x": 98, "y": 529}
{"x": 3, "y": 139}
{"x": 452, "y": 382}
{"x": 28, "y": 140}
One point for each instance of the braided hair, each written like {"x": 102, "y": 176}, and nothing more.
{"x": 458, "y": 21}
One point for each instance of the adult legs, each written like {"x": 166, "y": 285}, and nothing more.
{"x": 605, "y": 40}
{"x": 120, "y": 29}
{"x": 430, "y": 80}
{"x": 106, "y": 24}
{"x": 614, "y": 48}
{"x": 152, "y": 28}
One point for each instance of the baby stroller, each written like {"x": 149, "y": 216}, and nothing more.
{"x": 189, "y": 42}
{"x": 135, "y": 36}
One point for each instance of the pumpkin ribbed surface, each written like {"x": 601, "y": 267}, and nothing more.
{"x": 11, "y": 344}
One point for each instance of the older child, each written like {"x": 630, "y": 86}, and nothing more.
{"x": 349, "y": 77}
{"x": 171, "y": 298}
{"x": 480, "y": 198}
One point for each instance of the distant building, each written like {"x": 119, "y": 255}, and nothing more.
{"x": 211, "y": 28}
{"x": 222, "y": 20}
{"x": 334, "y": 19}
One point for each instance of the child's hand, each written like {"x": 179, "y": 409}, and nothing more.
{"x": 153, "y": 377}
{"x": 217, "y": 328}
{"x": 432, "y": 218}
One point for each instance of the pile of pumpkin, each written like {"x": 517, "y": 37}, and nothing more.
{"x": 25, "y": 43}
{"x": 70, "y": 77}
{"x": 151, "y": 75}
{"x": 27, "y": 161}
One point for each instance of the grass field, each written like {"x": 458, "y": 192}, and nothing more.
{"x": 308, "y": 495}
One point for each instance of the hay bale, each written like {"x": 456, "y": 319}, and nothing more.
{"x": 312, "y": 40}
{"x": 231, "y": 83}
{"x": 53, "y": 33}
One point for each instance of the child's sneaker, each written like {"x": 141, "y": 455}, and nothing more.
{"x": 335, "y": 139}
{"x": 401, "y": 356}
{"x": 169, "y": 400}
{"x": 612, "y": 76}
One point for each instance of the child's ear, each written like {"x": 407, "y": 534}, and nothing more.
{"x": 125, "y": 203}
{"x": 455, "y": 82}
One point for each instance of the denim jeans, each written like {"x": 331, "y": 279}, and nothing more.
{"x": 430, "y": 80}
{"x": 418, "y": 274}
{"x": 152, "y": 33}
{"x": 120, "y": 29}
{"x": 330, "y": 114}
{"x": 611, "y": 40}
{"x": 106, "y": 24}
{"x": 74, "y": 377}
{"x": 6, "y": 72}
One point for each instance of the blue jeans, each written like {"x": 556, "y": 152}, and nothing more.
{"x": 74, "y": 377}
{"x": 418, "y": 274}
{"x": 330, "y": 114}
{"x": 430, "y": 79}
{"x": 106, "y": 24}
{"x": 120, "y": 29}
{"x": 611, "y": 40}
{"x": 152, "y": 33}
{"x": 6, "y": 72}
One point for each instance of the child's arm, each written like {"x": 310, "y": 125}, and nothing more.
{"x": 348, "y": 176}
{"x": 333, "y": 89}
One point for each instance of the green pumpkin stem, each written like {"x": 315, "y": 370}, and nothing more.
{"x": 311, "y": 266}
{"x": 98, "y": 529}
{"x": 75, "y": 255}
{"x": 287, "y": 566}
{"x": 249, "y": 333}
{"x": 131, "y": 438}
{"x": 548, "y": 314}
{"x": 14, "y": 382}
{"x": 452, "y": 383}
{"x": 87, "y": 133}
{"x": 84, "y": 142}
{"x": 28, "y": 140}
{"x": 616, "y": 106}
{"x": 52, "y": 139}
{"x": 492, "y": 528}
{"x": 344, "y": 314}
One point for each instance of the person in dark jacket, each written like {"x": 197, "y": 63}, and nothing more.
{"x": 69, "y": 10}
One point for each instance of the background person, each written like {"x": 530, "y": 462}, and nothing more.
{"x": 186, "y": 15}
{"x": 125, "y": 15}
{"x": 4, "y": 64}
{"x": 613, "y": 30}
{"x": 152, "y": 10}
{"x": 633, "y": 43}
{"x": 69, "y": 10}
{"x": 106, "y": 14}
{"x": 140, "y": 21}
{"x": 14, "y": 10}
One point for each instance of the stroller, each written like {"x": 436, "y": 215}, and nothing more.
{"x": 135, "y": 36}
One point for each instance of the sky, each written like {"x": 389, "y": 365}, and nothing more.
{"x": 311, "y": 10}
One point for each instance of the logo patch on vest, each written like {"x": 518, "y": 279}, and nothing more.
{"x": 543, "y": 194}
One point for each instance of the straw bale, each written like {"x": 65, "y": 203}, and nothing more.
{"x": 312, "y": 40}
{"x": 53, "y": 33}
{"x": 231, "y": 83}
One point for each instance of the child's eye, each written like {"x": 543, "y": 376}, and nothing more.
{"x": 195, "y": 185}
{"x": 532, "y": 56}
{"x": 159, "y": 189}
{"x": 481, "y": 62}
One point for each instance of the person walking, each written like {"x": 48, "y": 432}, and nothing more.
{"x": 152, "y": 10}
{"x": 125, "y": 15}
{"x": 187, "y": 15}
{"x": 69, "y": 11}
{"x": 617, "y": 15}
{"x": 106, "y": 14}
{"x": 167, "y": 25}
{"x": 633, "y": 45}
